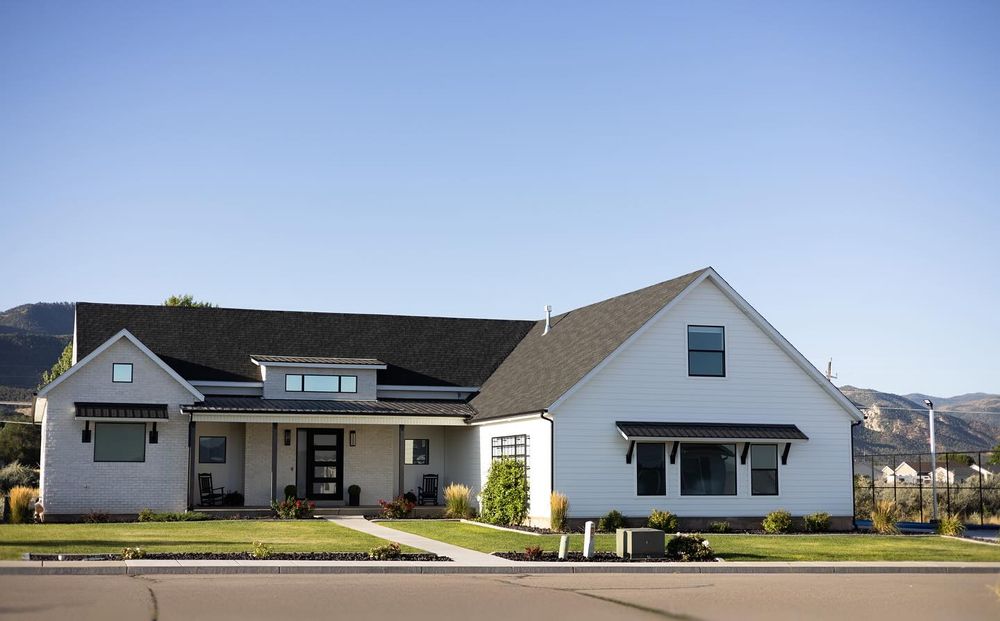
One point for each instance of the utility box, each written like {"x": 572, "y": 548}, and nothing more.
{"x": 640, "y": 542}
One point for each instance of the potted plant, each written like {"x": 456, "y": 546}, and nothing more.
{"x": 353, "y": 496}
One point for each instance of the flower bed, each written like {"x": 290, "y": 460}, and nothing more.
{"x": 578, "y": 557}
{"x": 235, "y": 556}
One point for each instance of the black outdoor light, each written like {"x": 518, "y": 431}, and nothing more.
{"x": 86, "y": 432}
{"x": 154, "y": 435}
{"x": 353, "y": 438}
{"x": 288, "y": 437}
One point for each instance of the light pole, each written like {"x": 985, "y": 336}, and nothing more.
{"x": 930, "y": 407}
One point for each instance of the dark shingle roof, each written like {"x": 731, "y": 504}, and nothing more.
{"x": 731, "y": 431}
{"x": 542, "y": 368}
{"x": 310, "y": 406}
{"x": 315, "y": 360}
{"x": 216, "y": 343}
{"x": 121, "y": 410}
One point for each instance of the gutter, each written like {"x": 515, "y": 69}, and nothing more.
{"x": 544, "y": 414}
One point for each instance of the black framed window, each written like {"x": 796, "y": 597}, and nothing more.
{"x": 511, "y": 447}
{"x": 120, "y": 442}
{"x": 417, "y": 452}
{"x": 706, "y": 351}
{"x": 348, "y": 383}
{"x": 212, "y": 449}
{"x": 651, "y": 468}
{"x": 299, "y": 382}
{"x": 121, "y": 372}
{"x": 708, "y": 469}
{"x": 293, "y": 383}
{"x": 764, "y": 469}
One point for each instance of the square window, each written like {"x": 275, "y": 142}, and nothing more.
{"x": 416, "y": 452}
{"x": 708, "y": 469}
{"x": 120, "y": 442}
{"x": 651, "y": 468}
{"x": 293, "y": 383}
{"x": 121, "y": 372}
{"x": 212, "y": 450}
{"x": 348, "y": 383}
{"x": 706, "y": 351}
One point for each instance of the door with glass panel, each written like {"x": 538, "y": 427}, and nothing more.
{"x": 324, "y": 464}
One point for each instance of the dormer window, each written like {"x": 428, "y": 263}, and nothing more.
{"x": 300, "y": 382}
{"x": 706, "y": 351}
{"x": 121, "y": 372}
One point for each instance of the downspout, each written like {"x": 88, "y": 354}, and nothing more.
{"x": 854, "y": 508}
{"x": 552, "y": 450}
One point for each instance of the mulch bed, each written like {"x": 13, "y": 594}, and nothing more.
{"x": 236, "y": 556}
{"x": 578, "y": 557}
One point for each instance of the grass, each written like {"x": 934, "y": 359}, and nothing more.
{"x": 730, "y": 547}
{"x": 211, "y": 536}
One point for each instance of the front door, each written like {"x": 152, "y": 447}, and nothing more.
{"x": 324, "y": 464}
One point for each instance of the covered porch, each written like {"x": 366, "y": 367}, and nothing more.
{"x": 258, "y": 447}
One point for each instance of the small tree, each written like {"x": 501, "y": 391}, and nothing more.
{"x": 186, "y": 300}
{"x": 505, "y": 495}
{"x": 995, "y": 455}
{"x": 21, "y": 443}
{"x": 61, "y": 365}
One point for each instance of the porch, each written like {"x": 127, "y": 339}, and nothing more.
{"x": 258, "y": 454}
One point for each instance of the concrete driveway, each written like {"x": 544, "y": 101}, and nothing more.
{"x": 580, "y": 597}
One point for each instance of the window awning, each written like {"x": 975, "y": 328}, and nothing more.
{"x": 122, "y": 410}
{"x": 738, "y": 432}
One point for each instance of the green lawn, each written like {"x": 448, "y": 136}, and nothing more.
{"x": 729, "y": 547}
{"x": 209, "y": 536}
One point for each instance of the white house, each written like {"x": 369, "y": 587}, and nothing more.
{"x": 679, "y": 396}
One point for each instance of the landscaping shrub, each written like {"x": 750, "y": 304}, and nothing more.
{"x": 505, "y": 495}
{"x": 147, "y": 515}
{"x": 16, "y": 474}
{"x": 611, "y": 522}
{"x": 779, "y": 521}
{"x": 950, "y": 525}
{"x": 718, "y": 527}
{"x": 398, "y": 508}
{"x": 384, "y": 553}
{"x": 885, "y": 514}
{"x": 533, "y": 553}
{"x": 559, "y": 507}
{"x": 292, "y": 509}
{"x": 458, "y": 501}
{"x": 662, "y": 520}
{"x": 261, "y": 551}
{"x": 233, "y": 499}
{"x": 20, "y": 507}
{"x": 131, "y": 554}
{"x": 689, "y": 548}
{"x": 96, "y": 517}
{"x": 410, "y": 497}
{"x": 290, "y": 491}
{"x": 817, "y": 522}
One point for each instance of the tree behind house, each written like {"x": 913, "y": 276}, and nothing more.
{"x": 186, "y": 300}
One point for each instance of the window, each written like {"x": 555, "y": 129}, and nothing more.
{"x": 416, "y": 452}
{"x": 321, "y": 383}
{"x": 121, "y": 372}
{"x": 764, "y": 469}
{"x": 212, "y": 450}
{"x": 511, "y": 447}
{"x": 706, "y": 351}
{"x": 708, "y": 469}
{"x": 120, "y": 442}
{"x": 651, "y": 468}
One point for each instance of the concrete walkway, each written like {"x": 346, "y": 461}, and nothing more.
{"x": 457, "y": 554}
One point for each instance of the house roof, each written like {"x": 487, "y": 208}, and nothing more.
{"x": 121, "y": 410}
{"x": 215, "y": 344}
{"x": 749, "y": 431}
{"x": 543, "y": 367}
{"x": 316, "y": 406}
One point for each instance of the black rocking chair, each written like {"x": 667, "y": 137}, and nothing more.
{"x": 429, "y": 490}
{"x": 210, "y": 496}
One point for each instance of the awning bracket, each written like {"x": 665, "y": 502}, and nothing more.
{"x": 673, "y": 452}
{"x": 743, "y": 455}
{"x": 628, "y": 454}
{"x": 784, "y": 454}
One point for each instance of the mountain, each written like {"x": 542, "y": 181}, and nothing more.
{"x": 31, "y": 338}
{"x": 898, "y": 423}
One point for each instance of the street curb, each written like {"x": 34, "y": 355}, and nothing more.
{"x": 319, "y": 567}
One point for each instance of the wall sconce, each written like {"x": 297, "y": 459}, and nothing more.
{"x": 288, "y": 437}
{"x": 86, "y": 432}
{"x": 353, "y": 438}
{"x": 154, "y": 435}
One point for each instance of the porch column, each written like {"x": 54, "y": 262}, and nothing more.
{"x": 402, "y": 458}
{"x": 274, "y": 461}
{"x": 190, "y": 468}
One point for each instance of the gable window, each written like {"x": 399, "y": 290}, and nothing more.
{"x": 706, "y": 351}
{"x": 121, "y": 372}
{"x": 212, "y": 450}
{"x": 120, "y": 442}
{"x": 416, "y": 452}
{"x": 321, "y": 383}
{"x": 651, "y": 469}
{"x": 511, "y": 447}
{"x": 764, "y": 469}
{"x": 708, "y": 469}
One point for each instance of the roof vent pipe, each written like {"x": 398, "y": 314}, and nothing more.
{"x": 548, "y": 319}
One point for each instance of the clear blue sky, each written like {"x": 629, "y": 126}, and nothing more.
{"x": 837, "y": 163}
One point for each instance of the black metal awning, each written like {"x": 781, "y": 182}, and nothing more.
{"x": 709, "y": 431}
{"x": 122, "y": 410}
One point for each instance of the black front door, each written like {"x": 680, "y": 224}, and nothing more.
{"x": 324, "y": 464}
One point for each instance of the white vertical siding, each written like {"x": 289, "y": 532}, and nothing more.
{"x": 648, "y": 381}
{"x": 539, "y": 434}
{"x": 463, "y": 458}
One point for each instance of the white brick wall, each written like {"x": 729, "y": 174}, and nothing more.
{"x": 73, "y": 482}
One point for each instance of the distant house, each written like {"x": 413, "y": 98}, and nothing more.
{"x": 903, "y": 473}
{"x": 956, "y": 475}
{"x": 987, "y": 472}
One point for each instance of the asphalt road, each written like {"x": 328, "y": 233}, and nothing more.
{"x": 474, "y": 598}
